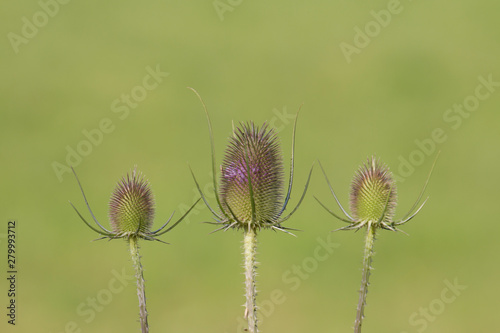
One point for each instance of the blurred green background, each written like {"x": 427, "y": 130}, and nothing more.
{"x": 251, "y": 60}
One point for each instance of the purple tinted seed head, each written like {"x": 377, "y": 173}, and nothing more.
{"x": 252, "y": 169}
{"x": 373, "y": 192}
{"x": 131, "y": 208}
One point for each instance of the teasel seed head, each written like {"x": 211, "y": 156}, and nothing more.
{"x": 251, "y": 185}
{"x": 373, "y": 193}
{"x": 251, "y": 195}
{"x": 373, "y": 198}
{"x": 131, "y": 208}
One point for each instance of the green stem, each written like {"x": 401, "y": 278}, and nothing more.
{"x": 367, "y": 261}
{"x": 249, "y": 251}
{"x": 141, "y": 285}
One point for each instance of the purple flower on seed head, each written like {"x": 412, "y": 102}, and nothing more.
{"x": 252, "y": 174}
{"x": 131, "y": 210}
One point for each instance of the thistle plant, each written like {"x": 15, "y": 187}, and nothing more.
{"x": 131, "y": 215}
{"x": 251, "y": 196}
{"x": 373, "y": 200}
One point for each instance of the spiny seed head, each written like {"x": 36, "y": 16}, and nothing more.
{"x": 131, "y": 208}
{"x": 373, "y": 188}
{"x": 252, "y": 167}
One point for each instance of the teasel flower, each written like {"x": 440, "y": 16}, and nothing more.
{"x": 252, "y": 195}
{"x": 373, "y": 202}
{"x": 131, "y": 214}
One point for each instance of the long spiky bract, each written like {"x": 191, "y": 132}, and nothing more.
{"x": 373, "y": 200}
{"x": 103, "y": 230}
{"x": 131, "y": 214}
{"x": 292, "y": 161}
{"x": 251, "y": 195}
{"x": 212, "y": 147}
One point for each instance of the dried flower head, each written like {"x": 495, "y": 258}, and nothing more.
{"x": 131, "y": 210}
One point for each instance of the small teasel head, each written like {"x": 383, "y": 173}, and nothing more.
{"x": 131, "y": 210}
{"x": 373, "y": 193}
{"x": 251, "y": 185}
{"x": 373, "y": 198}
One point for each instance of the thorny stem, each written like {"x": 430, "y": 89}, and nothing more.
{"x": 367, "y": 261}
{"x": 141, "y": 286}
{"x": 249, "y": 251}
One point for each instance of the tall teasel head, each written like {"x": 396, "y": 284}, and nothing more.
{"x": 131, "y": 210}
{"x": 373, "y": 198}
{"x": 252, "y": 176}
{"x": 252, "y": 179}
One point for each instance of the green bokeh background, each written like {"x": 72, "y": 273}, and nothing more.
{"x": 263, "y": 59}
